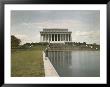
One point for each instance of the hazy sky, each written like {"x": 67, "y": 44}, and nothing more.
{"x": 84, "y": 24}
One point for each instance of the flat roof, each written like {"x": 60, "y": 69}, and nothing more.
{"x": 55, "y": 30}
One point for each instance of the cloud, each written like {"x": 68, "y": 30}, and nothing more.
{"x": 30, "y": 32}
{"x": 86, "y": 36}
{"x": 83, "y": 24}
{"x": 87, "y": 33}
{"x": 71, "y": 24}
{"x": 21, "y": 36}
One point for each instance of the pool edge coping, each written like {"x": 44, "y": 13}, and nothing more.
{"x": 48, "y": 67}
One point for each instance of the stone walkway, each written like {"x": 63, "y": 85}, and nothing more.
{"x": 48, "y": 67}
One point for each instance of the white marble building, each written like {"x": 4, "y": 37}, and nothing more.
{"x": 55, "y": 35}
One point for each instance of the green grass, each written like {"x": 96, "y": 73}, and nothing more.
{"x": 27, "y": 63}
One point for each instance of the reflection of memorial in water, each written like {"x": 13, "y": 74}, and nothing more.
{"x": 76, "y": 63}
{"x": 61, "y": 60}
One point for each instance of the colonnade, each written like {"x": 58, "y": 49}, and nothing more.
{"x": 46, "y": 37}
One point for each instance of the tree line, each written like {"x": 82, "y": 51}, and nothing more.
{"x": 15, "y": 42}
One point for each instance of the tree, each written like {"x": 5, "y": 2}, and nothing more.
{"x": 15, "y": 42}
{"x": 84, "y": 43}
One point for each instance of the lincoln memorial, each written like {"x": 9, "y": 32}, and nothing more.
{"x": 55, "y": 35}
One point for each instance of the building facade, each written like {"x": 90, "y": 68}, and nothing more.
{"x": 55, "y": 35}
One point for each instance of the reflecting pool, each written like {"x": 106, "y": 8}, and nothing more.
{"x": 76, "y": 63}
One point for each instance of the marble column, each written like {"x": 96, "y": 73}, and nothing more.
{"x": 68, "y": 37}
{"x": 47, "y": 37}
{"x": 51, "y": 37}
{"x": 60, "y": 37}
{"x": 44, "y": 37}
{"x": 54, "y": 37}
{"x": 57, "y": 37}
{"x": 41, "y": 37}
{"x": 64, "y": 37}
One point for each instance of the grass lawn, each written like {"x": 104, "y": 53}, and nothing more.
{"x": 27, "y": 63}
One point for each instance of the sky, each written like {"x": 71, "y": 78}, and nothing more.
{"x": 84, "y": 24}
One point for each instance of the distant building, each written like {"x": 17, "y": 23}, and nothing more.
{"x": 55, "y": 35}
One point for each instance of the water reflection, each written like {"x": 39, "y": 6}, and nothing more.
{"x": 76, "y": 63}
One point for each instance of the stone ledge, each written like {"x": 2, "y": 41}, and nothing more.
{"x": 49, "y": 68}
